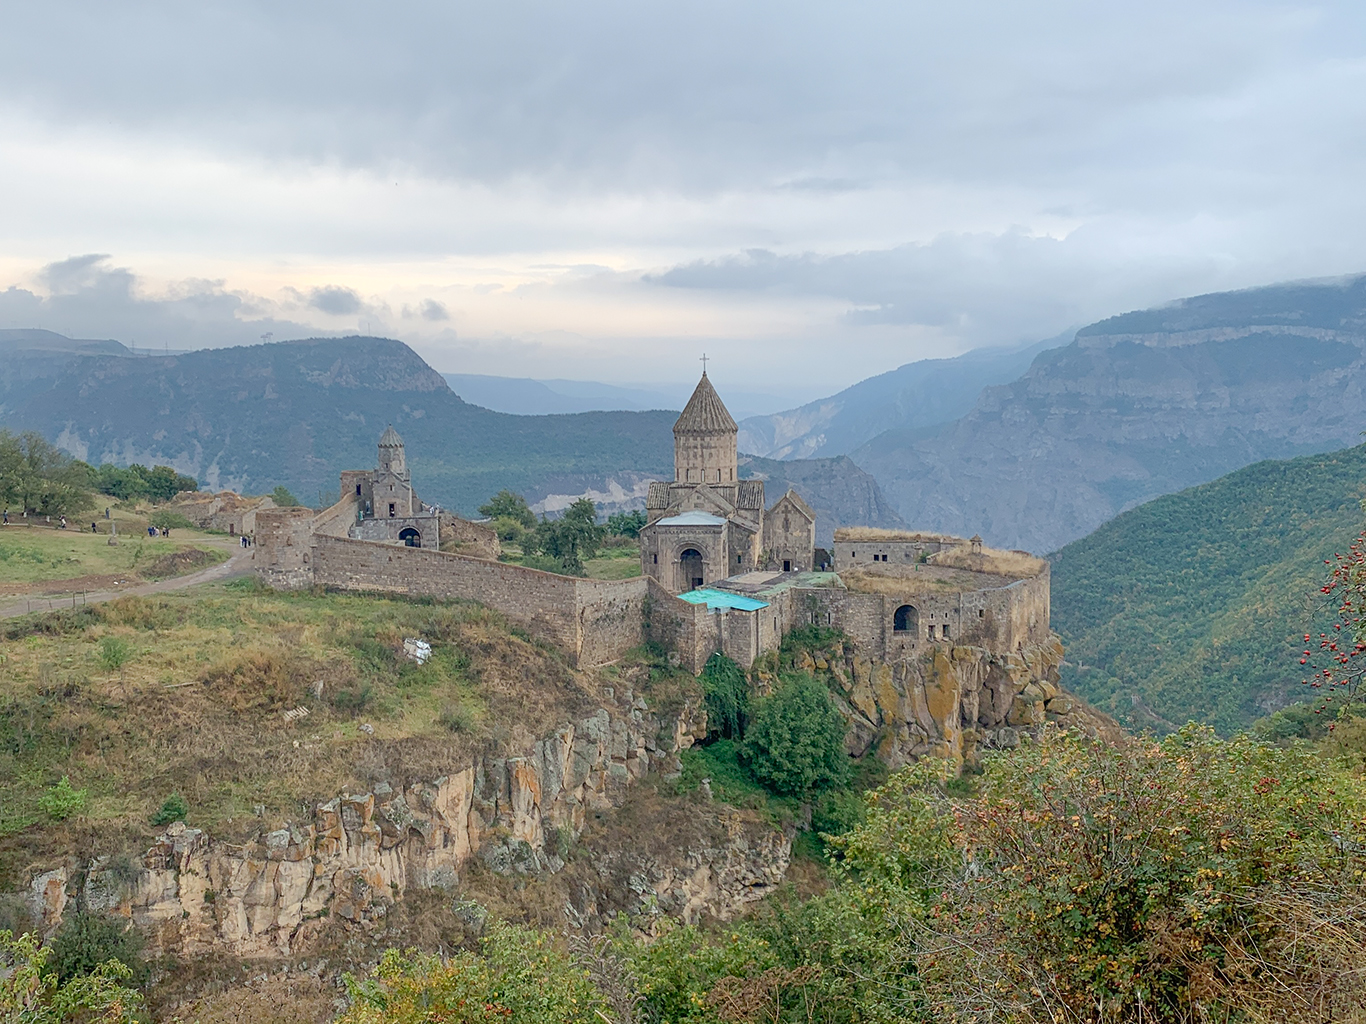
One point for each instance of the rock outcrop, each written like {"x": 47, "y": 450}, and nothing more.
{"x": 953, "y": 702}
{"x": 193, "y": 893}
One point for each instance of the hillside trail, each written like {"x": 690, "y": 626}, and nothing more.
{"x": 237, "y": 565}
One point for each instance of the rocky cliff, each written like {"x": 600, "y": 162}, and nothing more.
{"x": 953, "y": 702}
{"x": 194, "y": 894}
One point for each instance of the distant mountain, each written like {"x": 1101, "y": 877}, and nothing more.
{"x": 523, "y": 396}
{"x": 838, "y": 491}
{"x": 1138, "y": 405}
{"x": 917, "y": 395}
{"x": 1194, "y": 606}
{"x": 297, "y": 413}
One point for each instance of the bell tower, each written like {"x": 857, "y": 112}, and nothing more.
{"x": 704, "y": 439}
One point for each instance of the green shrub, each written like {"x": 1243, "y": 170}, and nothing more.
{"x": 457, "y": 717}
{"x": 352, "y": 699}
{"x": 114, "y": 652}
{"x": 727, "y": 695}
{"x": 167, "y": 520}
{"x": 61, "y": 801}
{"x": 174, "y": 809}
{"x": 509, "y": 529}
{"x": 86, "y": 940}
{"x": 31, "y": 993}
{"x": 836, "y": 813}
{"x": 795, "y": 741}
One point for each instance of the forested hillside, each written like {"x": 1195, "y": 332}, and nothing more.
{"x": 1194, "y": 605}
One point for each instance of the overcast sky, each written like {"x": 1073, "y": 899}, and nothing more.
{"x": 811, "y": 193}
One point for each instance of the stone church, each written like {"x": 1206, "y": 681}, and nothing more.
{"x": 707, "y": 524}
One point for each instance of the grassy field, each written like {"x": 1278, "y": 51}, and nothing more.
{"x": 34, "y": 555}
{"x": 186, "y": 693}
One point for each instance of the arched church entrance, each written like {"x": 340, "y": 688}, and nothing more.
{"x": 690, "y": 569}
{"x": 906, "y": 620}
{"x": 410, "y": 537}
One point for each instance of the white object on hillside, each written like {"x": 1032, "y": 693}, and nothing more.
{"x": 418, "y": 650}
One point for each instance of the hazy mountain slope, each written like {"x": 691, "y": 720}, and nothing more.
{"x": 838, "y": 491}
{"x": 524, "y": 396}
{"x": 1139, "y": 405}
{"x": 298, "y": 412}
{"x": 1194, "y": 606}
{"x": 919, "y": 394}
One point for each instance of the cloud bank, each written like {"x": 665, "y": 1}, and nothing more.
{"x": 608, "y": 188}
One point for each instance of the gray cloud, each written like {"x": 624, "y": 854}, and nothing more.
{"x": 89, "y": 298}
{"x": 335, "y": 301}
{"x": 434, "y": 311}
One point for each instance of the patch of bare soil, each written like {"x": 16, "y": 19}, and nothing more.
{"x": 179, "y": 563}
{"x": 75, "y": 585}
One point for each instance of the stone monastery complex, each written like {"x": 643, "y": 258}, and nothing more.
{"x": 721, "y": 569}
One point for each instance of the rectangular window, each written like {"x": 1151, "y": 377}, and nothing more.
{"x": 393, "y": 510}
{"x": 946, "y": 631}
{"x": 656, "y": 559}
{"x": 931, "y": 631}
{"x": 981, "y": 613}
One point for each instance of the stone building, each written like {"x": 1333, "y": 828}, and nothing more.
{"x": 387, "y": 507}
{"x": 707, "y": 524}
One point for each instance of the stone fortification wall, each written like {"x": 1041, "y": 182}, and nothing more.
{"x": 359, "y": 852}
{"x": 869, "y": 549}
{"x": 593, "y": 621}
{"x": 282, "y": 557}
{"x": 389, "y": 531}
{"x": 467, "y": 538}
{"x": 1000, "y": 619}
{"x": 337, "y": 520}
{"x": 610, "y": 617}
{"x": 682, "y": 628}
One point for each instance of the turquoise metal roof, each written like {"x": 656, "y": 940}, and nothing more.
{"x": 715, "y": 599}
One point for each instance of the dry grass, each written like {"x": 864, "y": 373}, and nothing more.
{"x": 872, "y": 533}
{"x": 929, "y": 580}
{"x": 1017, "y": 564}
{"x": 197, "y": 708}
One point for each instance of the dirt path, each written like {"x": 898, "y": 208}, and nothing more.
{"x": 234, "y": 566}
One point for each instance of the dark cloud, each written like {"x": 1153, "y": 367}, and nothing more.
{"x": 89, "y": 298}
{"x": 335, "y": 301}
{"x": 434, "y": 311}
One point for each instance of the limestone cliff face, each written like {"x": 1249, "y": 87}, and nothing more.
{"x": 953, "y": 702}
{"x": 193, "y": 893}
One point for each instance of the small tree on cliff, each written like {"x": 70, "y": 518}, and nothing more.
{"x": 795, "y": 741}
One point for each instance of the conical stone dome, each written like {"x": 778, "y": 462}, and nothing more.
{"x": 705, "y": 413}
{"x": 390, "y": 438}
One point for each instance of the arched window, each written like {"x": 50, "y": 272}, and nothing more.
{"x": 906, "y": 620}
{"x": 410, "y": 537}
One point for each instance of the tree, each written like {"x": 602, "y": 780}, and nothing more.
{"x": 570, "y": 539}
{"x": 85, "y": 941}
{"x": 1337, "y": 667}
{"x": 165, "y": 519}
{"x": 507, "y": 505}
{"x": 129, "y": 483}
{"x": 626, "y": 524}
{"x": 282, "y": 497}
{"x": 727, "y": 694}
{"x": 31, "y": 992}
{"x": 794, "y": 744}
{"x": 38, "y": 477}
